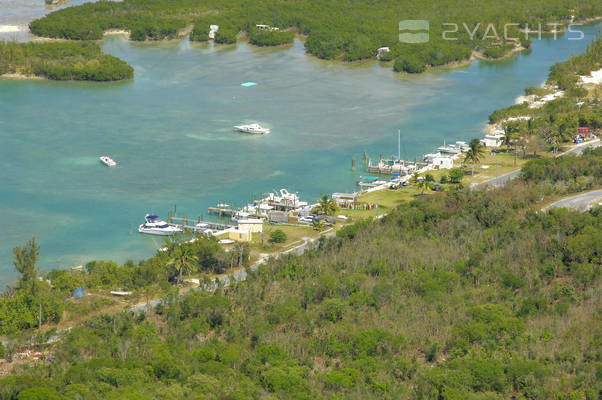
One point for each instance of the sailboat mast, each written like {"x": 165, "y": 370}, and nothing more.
{"x": 399, "y": 144}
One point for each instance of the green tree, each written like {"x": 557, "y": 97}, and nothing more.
{"x": 25, "y": 261}
{"x": 327, "y": 205}
{"x": 456, "y": 175}
{"x": 474, "y": 154}
{"x": 182, "y": 259}
{"x": 277, "y": 236}
{"x": 426, "y": 182}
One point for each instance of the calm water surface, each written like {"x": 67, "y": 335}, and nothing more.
{"x": 170, "y": 130}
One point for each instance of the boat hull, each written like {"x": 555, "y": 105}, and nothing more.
{"x": 243, "y": 129}
{"x": 107, "y": 162}
{"x": 157, "y": 232}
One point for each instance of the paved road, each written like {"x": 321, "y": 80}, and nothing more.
{"x": 499, "y": 181}
{"x": 579, "y": 201}
{"x": 579, "y": 148}
{"x": 503, "y": 179}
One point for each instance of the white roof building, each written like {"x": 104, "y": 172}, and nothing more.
{"x": 250, "y": 224}
{"x": 493, "y": 140}
{"x": 440, "y": 161}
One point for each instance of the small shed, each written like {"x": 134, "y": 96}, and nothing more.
{"x": 442, "y": 162}
{"x": 234, "y": 233}
{"x": 345, "y": 198}
{"x": 251, "y": 225}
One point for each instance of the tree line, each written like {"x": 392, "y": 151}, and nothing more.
{"x": 20, "y": 305}
{"x": 62, "y": 61}
{"x": 347, "y": 30}
{"x": 463, "y": 294}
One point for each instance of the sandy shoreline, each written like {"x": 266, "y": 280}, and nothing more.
{"x": 594, "y": 78}
{"x": 481, "y": 56}
{"x": 20, "y": 76}
{"x": 116, "y": 32}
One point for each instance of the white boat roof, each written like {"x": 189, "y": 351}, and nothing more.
{"x": 250, "y": 221}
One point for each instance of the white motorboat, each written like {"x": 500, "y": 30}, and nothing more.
{"x": 370, "y": 182}
{"x": 108, "y": 161}
{"x": 155, "y": 226}
{"x": 252, "y": 128}
{"x": 451, "y": 148}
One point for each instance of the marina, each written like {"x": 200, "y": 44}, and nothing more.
{"x": 197, "y": 225}
{"x": 443, "y": 159}
{"x": 171, "y": 158}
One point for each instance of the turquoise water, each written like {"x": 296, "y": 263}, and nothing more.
{"x": 170, "y": 130}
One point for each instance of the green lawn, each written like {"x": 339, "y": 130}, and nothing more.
{"x": 294, "y": 233}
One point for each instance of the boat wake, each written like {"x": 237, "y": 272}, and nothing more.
{"x": 11, "y": 28}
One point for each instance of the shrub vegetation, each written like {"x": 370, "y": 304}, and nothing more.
{"x": 457, "y": 295}
{"x": 349, "y": 30}
{"x": 62, "y": 61}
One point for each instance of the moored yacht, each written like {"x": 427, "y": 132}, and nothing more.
{"x": 156, "y": 226}
{"x": 370, "y": 182}
{"x": 252, "y": 128}
{"x": 108, "y": 161}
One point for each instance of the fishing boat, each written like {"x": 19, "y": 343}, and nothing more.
{"x": 156, "y": 226}
{"x": 252, "y": 128}
{"x": 108, "y": 161}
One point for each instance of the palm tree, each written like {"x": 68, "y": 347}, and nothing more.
{"x": 509, "y": 136}
{"x": 182, "y": 259}
{"x": 474, "y": 153}
{"x": 327, "y": 205}
{"x": 426, "y": 182}
{"x": 319, "y": 225}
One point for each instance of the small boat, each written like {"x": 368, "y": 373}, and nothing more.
{"x": 240, "y": 215}
{"x": 155, "y": 226}
{"x": 451, "y": 148}
{"x": 226, "y": 241}
{"x": 370, "y": 182}
{"x": 108, "y": 161}
{"x": 252, "y": 128}
{"x": 120, "y": 293}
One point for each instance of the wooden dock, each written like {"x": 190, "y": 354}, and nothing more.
{"x": 190, "y": 224}
{"x": 222, "y": 211}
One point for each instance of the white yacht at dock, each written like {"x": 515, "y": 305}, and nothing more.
{"x": 252, "y": 128}
{"x": 156, "y": 226}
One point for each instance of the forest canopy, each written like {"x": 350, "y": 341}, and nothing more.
{"x": 62, "y": 61}
{"x": 462, "y": 294}
{"x": 348, "y": 30}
